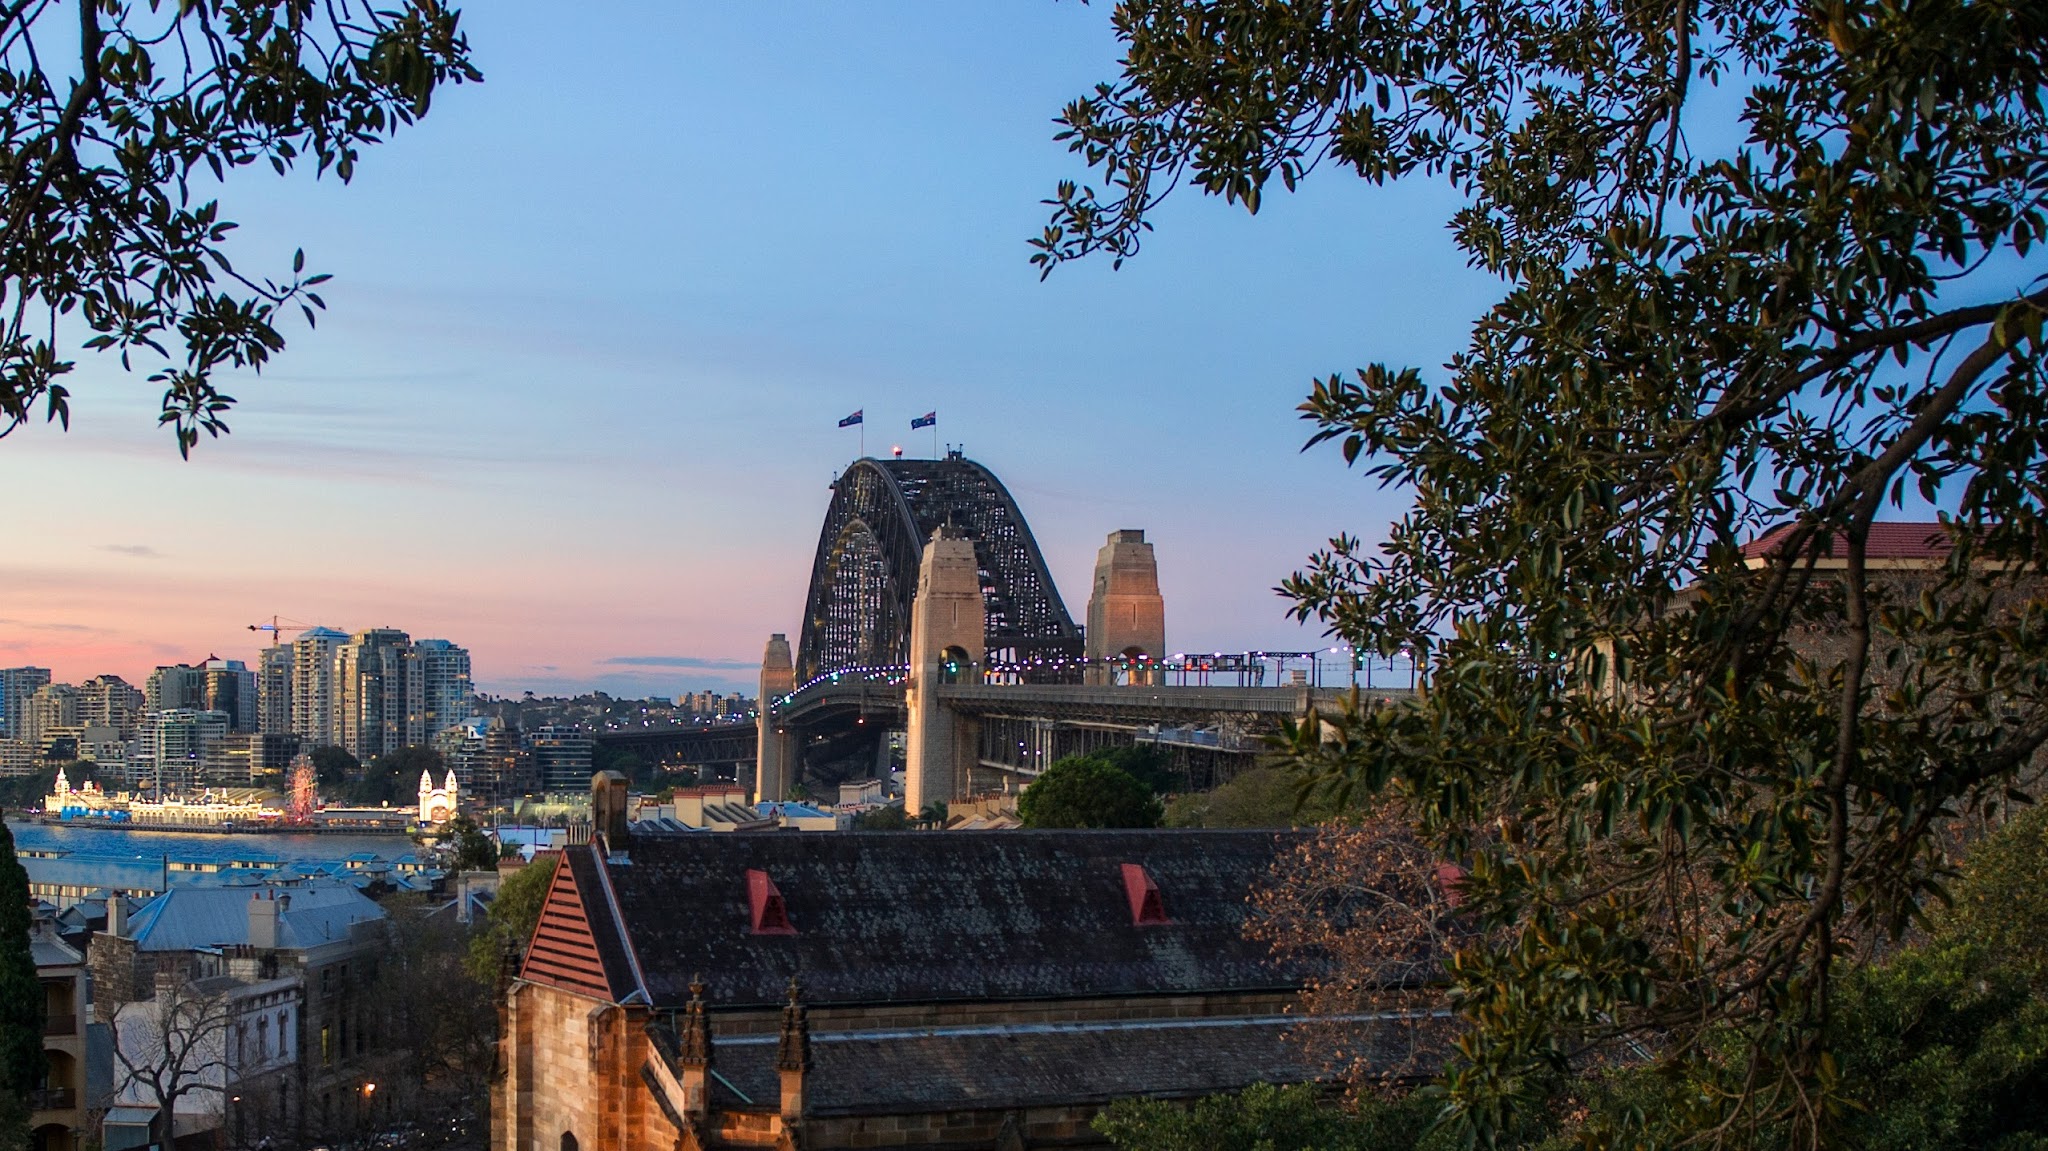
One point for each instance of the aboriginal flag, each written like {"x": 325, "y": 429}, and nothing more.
{"x": 850, "y": 420}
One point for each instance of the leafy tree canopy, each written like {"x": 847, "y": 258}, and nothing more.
{"x": 1764, "y": 265}
{"x": 1267, "y": 1118}
{"x": 334, "y": 767}
{"x": 890, "y": 818}
{"x": 1143, "y": 762}
{"x": 27, "y": 791}
{"x": 1083, "y": 791}
{"x": 21, "y": 1000}
{"x": 474, "y": 850}
{"x": 109, "y": 239}
{"x": 1943, "y": 1046}
{"x": 395, "y": 778}
{"x": 515, "y": 910}
{"x": 1261, "y": 797}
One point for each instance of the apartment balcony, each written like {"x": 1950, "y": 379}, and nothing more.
{"x": 66, "y": 1024}
{"x": 53, "y": 1099}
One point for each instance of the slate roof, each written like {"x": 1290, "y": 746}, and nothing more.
{"x": 54, "y": 952}
{"x": 189, "y": 918}
{"x": 904, "y": 917}
{"x": 1000, "y": 1067}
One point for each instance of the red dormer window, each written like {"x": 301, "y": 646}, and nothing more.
{"x": 1450, "y": 878}
{"x": 764, "y": 904}
{"x": 1147, "y": 908}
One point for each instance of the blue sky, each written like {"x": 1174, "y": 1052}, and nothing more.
{"x": 594, "y": 320}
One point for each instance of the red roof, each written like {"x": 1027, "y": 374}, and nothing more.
{"x": 1887, "y": 541}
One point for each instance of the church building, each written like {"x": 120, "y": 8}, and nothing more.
{"x": 889, "y": 989}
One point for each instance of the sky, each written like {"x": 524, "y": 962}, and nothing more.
{"x": 593, "y": 323}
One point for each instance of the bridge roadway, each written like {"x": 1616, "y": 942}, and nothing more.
{"x": 1210, "y": 732}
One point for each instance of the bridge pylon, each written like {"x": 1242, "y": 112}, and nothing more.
{"x": 774, "y": 756}
{"x": 948, "y": 634}
{"x": 1126, "y": 613}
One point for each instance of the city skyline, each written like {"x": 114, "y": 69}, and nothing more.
{"x": 594, "y": 440}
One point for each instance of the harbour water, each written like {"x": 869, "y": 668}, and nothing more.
{"x": 190, "y": 847}
{"x": 68, "y": 865}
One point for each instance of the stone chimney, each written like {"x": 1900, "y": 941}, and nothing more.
{"x": 263, "y": 925}
{"x": 608, "y": 810}
{"x": 117, "y": 915}
{"x": 694, "y": 1062}
{"x": 793, "y": 1056}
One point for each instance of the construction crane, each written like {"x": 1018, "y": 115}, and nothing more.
{"x": 277, "y": 627}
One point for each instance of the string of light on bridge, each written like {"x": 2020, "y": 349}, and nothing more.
{"x": 896, "y": 674}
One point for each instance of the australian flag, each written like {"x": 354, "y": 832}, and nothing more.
{"x": 850, "y": 420}
{"x": 924, "y": 421}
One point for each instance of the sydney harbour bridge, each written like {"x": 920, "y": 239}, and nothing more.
{"x": 933, "y": 637}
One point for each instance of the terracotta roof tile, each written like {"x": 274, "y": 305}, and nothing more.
{"x": 1888, "y": 541}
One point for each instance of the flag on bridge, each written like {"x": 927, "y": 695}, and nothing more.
{"x": 851, "y": 420}
{"x": 927, "y": 420}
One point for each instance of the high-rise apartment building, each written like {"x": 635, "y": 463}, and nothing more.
{"x": 213, "y": 684}
{"x": 380, "y": 695}
{"x": 110, "y": 701}
{"x": 312, "y": 686}
{"x": 561, "y": 757}
{"x": 488, "y": 759}
{"x": 174, "y": 687}
{"x": 231, "y": 690}
{"x": 17, "y": 686}
{"x": 444, "y": 671}
{"x": 274, "y": 690}
{"x": 190, "y": 749}
{"x": 54, "y": 706}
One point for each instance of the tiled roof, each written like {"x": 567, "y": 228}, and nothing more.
{"x": 1887, "y": 541}
{"x": 591, "y": 880}
{"x": 902, "y": 916}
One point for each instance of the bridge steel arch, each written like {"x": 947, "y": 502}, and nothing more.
{"x": 857, "y": 612}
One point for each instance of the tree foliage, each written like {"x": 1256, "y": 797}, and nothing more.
{"x": 436, "y": 1013}
{"x": 886, "y": 818}
{"x": 1942, "y": 1046}
{"x": 21, "y": 1000}
{"x": 122, "y": 116}
{"x": 1267, "y": 1118}
{"x": 334, "y": 767}
{"x": 474, "y": 850}
{"x": 515, "y": 911}
{"x": 1265, "y": 796}
{"x": 171, "y": 1046}
{"x": 1083, "y": 791}
{"x": 27, "y": 791}
{"x": 1765, "y": 265}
